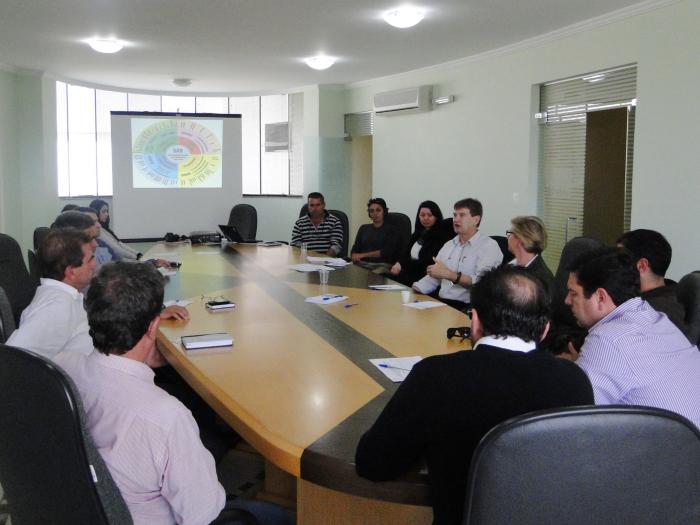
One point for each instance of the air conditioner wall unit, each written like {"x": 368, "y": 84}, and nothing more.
{"x": 404, "y": 100}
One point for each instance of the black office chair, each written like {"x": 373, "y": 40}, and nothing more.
{"x": 304, "y": 210}
{"x": 587, "y": 465}
{"x": 34, "y": 270}
{"x": 502, "y": 241}
{"x": 7, "y": 320}
{"x": 402, "y": 223}
{"x": 39, "y": 234}
{"x": 245, "y": 218}
{"x": 14, "y": 277}
{"x": 561, "y": 314}
{"x": 688, "y": 293}
{"x": 50, "y": 470}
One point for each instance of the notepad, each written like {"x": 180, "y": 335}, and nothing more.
{"x": 199, "y": 341}
{"x": 308, "y": 267}
{"x": 328, "y": 261}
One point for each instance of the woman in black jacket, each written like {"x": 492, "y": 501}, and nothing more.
{"x": 430, "y": 234}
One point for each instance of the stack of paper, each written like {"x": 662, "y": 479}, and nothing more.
{"x": 328, "y": 261}
{"x": 308, "y": 267}
{"x": 396, "y": 368}
{"x": 387, "y": 287}
{"x": 424, "y": 305}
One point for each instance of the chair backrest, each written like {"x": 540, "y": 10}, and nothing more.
{"x": 605, "y": 464}
{"x": 245, "y": 218}
{"x": 561, "y": 314}
{"x": 502, "y": 241}
{"x": 402, "y": 223}
{"x": 7, "y": 320}
{"x": 34, "y": 270}
{"x": 688, "y": 293}
{"x": 304, "y": 210}
{"x": 49, "y": 468}
{"x": 39, "y": 234}
{"x": 346, "y": 230}
{"x": 14, "y": 277}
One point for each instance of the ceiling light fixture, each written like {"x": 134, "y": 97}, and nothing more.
{"x": 403, "y": 17}
{"x": 319, "y": 62}
{"x": 182, "y": 82}
{"x": 105, "y": 45}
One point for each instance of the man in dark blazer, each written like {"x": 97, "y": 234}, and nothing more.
{"x": 448, "y": 402}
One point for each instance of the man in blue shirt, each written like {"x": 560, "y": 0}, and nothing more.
{"x": 632, "y": 354}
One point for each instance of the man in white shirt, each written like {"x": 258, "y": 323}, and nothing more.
{"x": 461, "y": 261}
{"x": 55, "y": 320}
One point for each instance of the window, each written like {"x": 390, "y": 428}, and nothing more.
{"x": 272, "y": 135}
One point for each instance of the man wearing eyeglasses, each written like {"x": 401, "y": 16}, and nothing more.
{"x": 449, "y": 402}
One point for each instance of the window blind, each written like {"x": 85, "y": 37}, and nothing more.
{"x": 564, "y": 105}
{"x": 359, "y": 124}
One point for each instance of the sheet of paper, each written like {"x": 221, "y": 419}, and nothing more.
{"x": 178, "y": 302}
{"x": 269, "y": 244}
{"x": 387, "y": 287}
{"x": 326, "y": 299}
{"x": 396, "y": 368}
{"x": 329, "y": 261}
{"x": 304, "y": 267}
{"x": 424, "y": 305}
{"x": 174, "y": 257}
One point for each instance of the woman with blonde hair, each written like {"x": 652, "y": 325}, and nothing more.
{"x": 527, "y": 239}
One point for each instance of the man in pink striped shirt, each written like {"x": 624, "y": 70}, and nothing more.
{"x": 632, "y": 354}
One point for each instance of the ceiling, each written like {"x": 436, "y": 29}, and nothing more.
{"x": 256, "y": 46}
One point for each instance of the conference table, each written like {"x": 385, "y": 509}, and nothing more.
{"x": 297, "y": 384}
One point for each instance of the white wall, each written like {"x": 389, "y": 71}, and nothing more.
{"x": 484, "y": 144}
{"x": 10, "y": 209}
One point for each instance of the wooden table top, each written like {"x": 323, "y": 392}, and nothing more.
{"x": 298, "y": 384}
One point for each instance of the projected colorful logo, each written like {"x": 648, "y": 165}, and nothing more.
{"x": 176, "y": 153}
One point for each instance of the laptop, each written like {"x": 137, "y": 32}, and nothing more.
{"x": 232, "y": 234}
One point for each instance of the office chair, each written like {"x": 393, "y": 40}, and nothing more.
{"x": 245, "y": 218}
{"x": 561, "y": 314}
{"x": 688, "y": 293}
{"x": 50, "y": 470}
{"x": 502, "y": 241}
{"x": 34, "y": 270}
{"x": 14, "y": 277}
{"x": 402, "y": 223}
{"x": 587, "y": 465}
{"x": 39, "y": 234}
{"x": 7, "y": 320}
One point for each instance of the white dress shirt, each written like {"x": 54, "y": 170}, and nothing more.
{"x": 148, "y": 439}
{"x": 474, "y": 257}
{"x": 55, "y": 321}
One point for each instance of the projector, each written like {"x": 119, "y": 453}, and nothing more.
{"x": 205, "y": 237}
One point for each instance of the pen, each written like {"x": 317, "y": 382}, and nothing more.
{"x": 384, "y": 365}
{"x": 328, "y": 298}
{"x": 350, "y": 305}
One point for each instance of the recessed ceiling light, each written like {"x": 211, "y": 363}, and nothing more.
{"x": 182, "y": 82}
{"x": 319, "y": 62}
{"x": 403, "y": 17}
{"x": 105, "y": 45}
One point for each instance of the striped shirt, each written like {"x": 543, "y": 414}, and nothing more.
{"x": 319, "y": 238}
{"x": 636, "y": 356}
